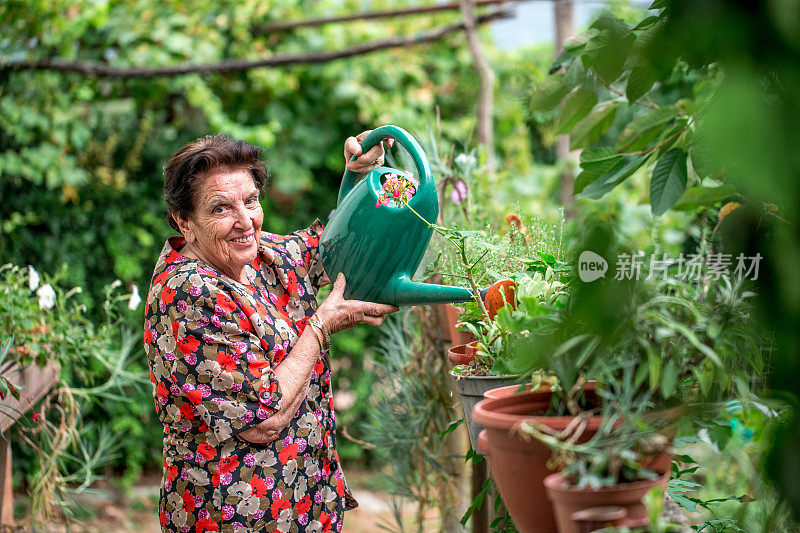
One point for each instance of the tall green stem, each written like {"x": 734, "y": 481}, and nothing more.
{"x": 461, "y": 245}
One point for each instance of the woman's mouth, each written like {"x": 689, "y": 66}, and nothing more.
{"x": 243, "y": 240}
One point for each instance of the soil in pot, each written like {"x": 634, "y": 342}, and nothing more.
{"x": 519, "y": 465}
{"x": 569, "y": 500}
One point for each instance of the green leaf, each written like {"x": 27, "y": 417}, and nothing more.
{"x": 645, "y": 128}
{"x": 640, "y": 80}
{"x": 668, "y": 182}
{"x": 700, "y": 163}
{"x": 592, "y": 156}
{"x": 590, "y": 128}
{"x": 576, "y": 106}
{"x": 646, "y": 22}
{"x": 703, "y": 196}
{"x": 451, "y": 427}
{"x": 658, "y": 4}
{"x": 669, "y": 379}
{"x": 549, "y": 93}
{"x": 619, "y": 173}
{"x": 607, "y": 51}
{"x": 654, "y": 367}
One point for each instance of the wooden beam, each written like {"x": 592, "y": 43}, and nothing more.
{"x": 103, "y": 70}
{"x": 6, "y": 488}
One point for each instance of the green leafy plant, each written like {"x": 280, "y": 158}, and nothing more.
{"x": 629, "y": 108}
{"x": 41, "y": 323}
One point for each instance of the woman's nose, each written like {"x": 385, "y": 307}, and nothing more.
{"x": 244, "y": 219}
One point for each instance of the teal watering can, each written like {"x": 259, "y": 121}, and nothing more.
{"x": 380, "y": 248}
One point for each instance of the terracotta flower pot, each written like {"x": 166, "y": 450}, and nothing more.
{"x": 519, "y": 465}
{"x": 471, "y": 389}
{"x": 457, "y": 355}
{"x": 508, "y": 390}
{"x": 448, "y": 316}
{"x": 569, "y": 500}
{"x": 471, "y": 350}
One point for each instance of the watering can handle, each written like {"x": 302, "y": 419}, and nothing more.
{"x": 406, "y": 140}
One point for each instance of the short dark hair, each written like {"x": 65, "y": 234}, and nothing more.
{"x": 186, "y": 169}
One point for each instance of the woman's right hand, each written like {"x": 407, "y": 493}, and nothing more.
{"x": 338, "y": 314}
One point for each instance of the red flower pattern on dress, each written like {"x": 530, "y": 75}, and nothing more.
{"x": 206, "y": 524}
{"x": 168, "y": 295}
{"x": 259, "y": 487}
{"x": 279, "y": 505}
{"x": 207, "y": 451}
{"x": 188, "y": 344}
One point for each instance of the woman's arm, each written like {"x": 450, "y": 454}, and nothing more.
{"x": 294, "y": 372}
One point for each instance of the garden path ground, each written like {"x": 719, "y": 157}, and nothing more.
{"x": 137, "y": 512}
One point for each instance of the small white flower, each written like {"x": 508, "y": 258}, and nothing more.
{"x": 33, "y": 278}
{"x": 47, "y": 297}
{"x": 135, "y": 300}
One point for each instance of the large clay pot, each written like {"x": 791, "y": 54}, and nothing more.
{"x": 569, "y": 500}
{"x": 471, "y": 390}
{"x": 519, "y": 465}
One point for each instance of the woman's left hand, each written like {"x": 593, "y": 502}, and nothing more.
{"x": 365, "y": 162}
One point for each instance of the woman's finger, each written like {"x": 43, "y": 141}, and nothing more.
{"x": 373, "y": 320}
{"x": 375, "y": 153}
{"x": 360, "y": 136}
{"x": 338, "y": 286}
{"x": 351, "y": 148}
{"x": 373, "y": 309}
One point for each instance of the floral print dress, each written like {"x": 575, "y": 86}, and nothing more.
{"x": 213, "y": 344}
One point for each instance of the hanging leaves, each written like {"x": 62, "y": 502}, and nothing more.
{"x": 607, "y": 51}
{"x": 590, "y": 128}
{"x": 644, "y": 128}
{"x": 668, "y": 182}
{"x": 574, "y": 107}
{"x": 549, "y": 93}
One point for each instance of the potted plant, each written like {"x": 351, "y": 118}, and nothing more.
{"x": 676, "y": 341}
{"x": 627, "y": 457}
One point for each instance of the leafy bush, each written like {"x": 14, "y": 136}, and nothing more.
{"x": 40, "y": 324}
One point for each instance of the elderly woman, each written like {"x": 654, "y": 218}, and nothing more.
{"x": 238, "y": 353}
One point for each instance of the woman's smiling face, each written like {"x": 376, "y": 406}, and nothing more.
{"x": 225, "y": 228}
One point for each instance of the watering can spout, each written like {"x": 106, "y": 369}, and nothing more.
{"x": 408, "y": 292}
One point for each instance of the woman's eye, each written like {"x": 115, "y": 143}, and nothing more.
{"x": 252, "y": 201}
{"x": 218, "y": 209}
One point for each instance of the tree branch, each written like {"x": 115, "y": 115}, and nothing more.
{"x": 103, "y": 70}
{"x": 292, "y": 24}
